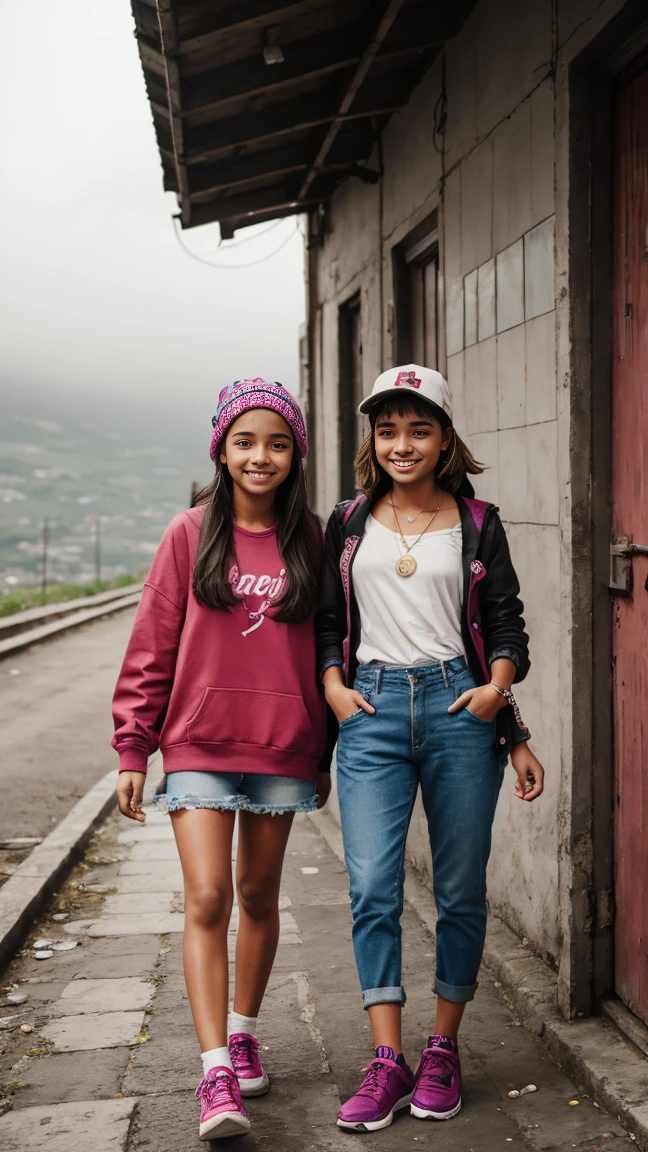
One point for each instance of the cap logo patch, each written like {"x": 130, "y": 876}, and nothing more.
{"x": 409, "y": 378}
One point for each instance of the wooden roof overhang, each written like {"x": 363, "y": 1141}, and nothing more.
{"x": 262, "y": 107}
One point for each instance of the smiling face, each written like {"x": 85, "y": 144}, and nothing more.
{"x": 408, "y": 443}
{"x": 258, "y": 450}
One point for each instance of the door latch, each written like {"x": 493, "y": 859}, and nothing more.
{"x": 621, "y": 553}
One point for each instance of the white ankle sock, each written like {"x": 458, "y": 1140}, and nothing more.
{"x": 216, "y": 1058}
{"x": 238, "y": 1023}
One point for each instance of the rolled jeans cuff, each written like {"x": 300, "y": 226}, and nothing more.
{"x": 373, "y": 996}
{"x": 456, "y": 994}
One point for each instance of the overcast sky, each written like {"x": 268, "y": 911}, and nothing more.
{"x": 96, "y": 292}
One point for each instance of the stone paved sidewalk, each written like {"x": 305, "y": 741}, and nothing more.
{"x": 112, "y": 1062}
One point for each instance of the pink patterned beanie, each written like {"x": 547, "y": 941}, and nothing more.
{"x": 245, "y": 394}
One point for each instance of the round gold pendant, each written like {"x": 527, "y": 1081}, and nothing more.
{"x": 406, "y": 565}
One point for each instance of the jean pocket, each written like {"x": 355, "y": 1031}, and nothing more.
{"x": 353, "y": 716}
{"x": 478, "y": 719}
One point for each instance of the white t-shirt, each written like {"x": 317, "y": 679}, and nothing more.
{"x": 411, "y": 620}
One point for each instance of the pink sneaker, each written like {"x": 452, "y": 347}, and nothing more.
{"x": 386, "y": 1089}
{"x": 437, "y": 1095}
{"x": 221, "y": 1109}
{"x": 244, "y": 1050}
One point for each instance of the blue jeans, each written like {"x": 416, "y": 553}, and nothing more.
{"x": 381, "y": 759}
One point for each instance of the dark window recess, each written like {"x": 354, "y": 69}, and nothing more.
{"x": 416, "y": 278}
{"x": 351, "y": 425}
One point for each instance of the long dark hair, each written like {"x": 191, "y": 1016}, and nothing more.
{"x": 455, "y": 462}
{"x": 299, "y": 537}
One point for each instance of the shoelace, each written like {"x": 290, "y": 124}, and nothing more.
{"x": 245, "y": 1052}
{"x": 215, "y": 1090}
{"x": 374, "y": 1081}
{"x": 435, "y": 1068}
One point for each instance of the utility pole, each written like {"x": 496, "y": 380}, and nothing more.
{"x": 44, "y": 558}
{"x": 98, "y": 549}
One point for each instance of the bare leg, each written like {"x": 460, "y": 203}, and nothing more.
{"x": 386, "y": 1025}
{"x": 261, "y": 849}
{"x": 204, "y": 839}
{"x": 448, "y": 1018}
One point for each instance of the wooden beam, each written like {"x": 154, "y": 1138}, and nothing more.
{"x": 170, "y": 45}
{"x": 338, "y": 170}
{"x": 258, "y": 182}
{"x": 152, "y": 61}
{"x": 245, "y": 39}
{"x": 260, "y": 200}
{"x": 231, "y": 137}
{"x": 238, "y": 170}
{"x": 246, "y": 79}
{"x": 207, "y": 180}
{"x": 391, "y": 12}
{"x": 202, "y": 24}
{"x": 209, "y": 213}
{"x": 212, "y": 91}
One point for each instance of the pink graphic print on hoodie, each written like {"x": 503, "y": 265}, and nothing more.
{"x": 266, "y": 589}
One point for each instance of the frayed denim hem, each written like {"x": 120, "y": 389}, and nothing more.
{"x": 234, "y": 804}
{"x": 177, "y": 803}
{"x": 308, "y": 805}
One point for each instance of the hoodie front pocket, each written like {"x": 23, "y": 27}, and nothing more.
{"x": 243, "y": 716}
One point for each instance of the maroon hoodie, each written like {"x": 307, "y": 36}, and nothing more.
{"x": 218, "y": 690}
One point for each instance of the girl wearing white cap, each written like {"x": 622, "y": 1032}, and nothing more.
{"x": 420, "y": 636}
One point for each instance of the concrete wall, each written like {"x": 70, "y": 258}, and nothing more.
{"x": 504, "y": 249}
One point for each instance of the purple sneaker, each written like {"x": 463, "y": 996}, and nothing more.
{"x": 386, "y": 1088}
{"x": 221, "y": 1109}
{"x": 244, "y": 1051}
{"x": 437, "y": 1095}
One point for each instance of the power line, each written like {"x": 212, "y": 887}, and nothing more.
{"x": 227, "y": 267}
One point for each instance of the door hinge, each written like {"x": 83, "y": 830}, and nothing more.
{"x": 621, "y": 553}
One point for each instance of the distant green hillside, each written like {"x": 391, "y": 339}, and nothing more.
{"x": 75, "y": 462}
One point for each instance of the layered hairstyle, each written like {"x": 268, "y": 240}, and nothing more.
{"x": 455, "y": 462}
{"x": 298, "y": 534}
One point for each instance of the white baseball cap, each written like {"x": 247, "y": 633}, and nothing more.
{"x": 424, "y": 382}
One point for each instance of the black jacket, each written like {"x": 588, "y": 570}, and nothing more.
{"x": 491, "y": 613}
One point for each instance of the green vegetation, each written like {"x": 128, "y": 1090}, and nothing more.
{"x": 18, "y": 599}
{"x": 118, "y": 470}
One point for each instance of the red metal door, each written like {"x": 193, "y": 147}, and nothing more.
{"x": 630, "y": 523}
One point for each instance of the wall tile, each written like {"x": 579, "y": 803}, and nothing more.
{"x": 540, "y": 592}
{"x": 542, "y": 152}
{"x": 461, "y": 71}
{"x": 509, "y": 273}
{"x": 542, "y": 477}
{"x": 484, "y": 447}
{"x": 512, "y": 455}
{"x": 540, "y": 341}
{"x": 470, "y": 308}
{"x": 477, "y": 207}
{"x": 455, "y": 370}
{"x": 514, "y": 48}
{"x": 512, "y": 178}
{"x": 487, "y": 364}
{"x": 511, "y": 393}
{"x": 452, "y": 226}
{"x": 481, "y": 387}
{"x": 539, "y": 292}
{"x": 471, "y": 389}
{"x": 454, "y": 316}
{"x": 486, "y": 300}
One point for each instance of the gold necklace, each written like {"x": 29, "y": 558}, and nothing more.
{"x": 411, "y": 519}
{"x": 406, "y": 564}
